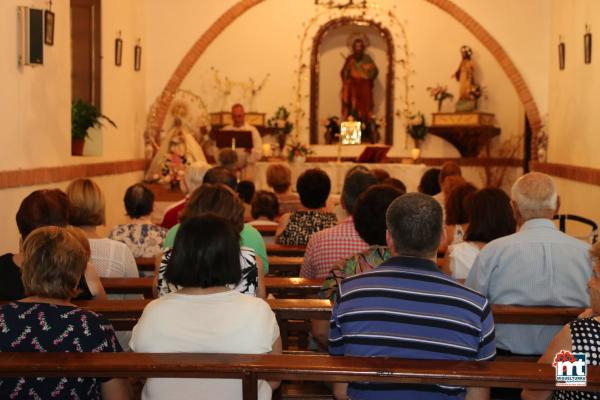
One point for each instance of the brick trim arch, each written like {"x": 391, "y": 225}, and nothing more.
{"x": 447, "y": 6}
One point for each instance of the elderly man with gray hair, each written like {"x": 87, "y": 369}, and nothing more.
{"x": 536, "y": 266}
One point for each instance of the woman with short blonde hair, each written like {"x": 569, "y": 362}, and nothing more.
{"x": 112, "y": 259}
{"x": 279, "y": 177}
{"x": 54, "y": 259}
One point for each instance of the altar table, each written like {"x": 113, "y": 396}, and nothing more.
{"x": 410, "y": 174}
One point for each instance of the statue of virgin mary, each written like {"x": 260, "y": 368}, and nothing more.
{"x": 177, "y": 150}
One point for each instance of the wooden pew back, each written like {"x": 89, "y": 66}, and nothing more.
{"x": 250, "y": 368}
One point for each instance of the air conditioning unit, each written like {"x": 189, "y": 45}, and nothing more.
{"x": 30, "y": 25}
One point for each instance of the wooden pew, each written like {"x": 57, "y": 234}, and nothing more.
{"x": 283, "y": 250}
{"x": 291, "y": 287}
{"x": 145, "y": 264}
{"x": 128, "y": 286}
{"x": 279, "y": 286}
{"x": 266, "y": 230}
{"x": 251, "y": 367}
{"x": 127, "y": 311}
{"x": 281, "y": 265}
{"x": 285, "y": 265}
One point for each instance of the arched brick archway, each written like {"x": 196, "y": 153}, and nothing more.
{"x": 447, "y": 6}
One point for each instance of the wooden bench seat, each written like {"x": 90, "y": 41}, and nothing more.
{"x": 279, "y": 286}
{"x": 250, "y": 368}
{"x": 124, "y": 313}
{"x": 285, "y": 265}
{"x": 284, "y": 250}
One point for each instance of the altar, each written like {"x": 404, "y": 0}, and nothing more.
{"x": 410, "y": 174}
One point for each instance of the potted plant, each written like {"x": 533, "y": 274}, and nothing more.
{"x": 83, "y": 117}
{"x": 298, "y": 152}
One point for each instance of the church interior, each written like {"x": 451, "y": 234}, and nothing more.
{"x": 501, "y": 88}
{"x": 216, "y": 57}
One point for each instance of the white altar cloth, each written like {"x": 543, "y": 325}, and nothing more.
{"x": 410, "y": 174}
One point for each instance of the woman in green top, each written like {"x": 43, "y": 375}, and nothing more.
{"x": 250, "y": 237}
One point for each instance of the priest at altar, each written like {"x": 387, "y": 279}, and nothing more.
{"x": 246, "y": 157}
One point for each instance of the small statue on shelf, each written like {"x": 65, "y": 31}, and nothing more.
{"x": 468, "y": 90}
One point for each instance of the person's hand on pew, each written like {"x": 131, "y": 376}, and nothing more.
{"x": 116, "y": 389}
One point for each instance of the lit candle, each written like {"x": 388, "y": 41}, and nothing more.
{"x": 415, "y": 153}
{"x": 267, "y": 150}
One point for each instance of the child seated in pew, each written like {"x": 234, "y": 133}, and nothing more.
{"x": 206, "y": 314}
{"x": 579, "y": 336}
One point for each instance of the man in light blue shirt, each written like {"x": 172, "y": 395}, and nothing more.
{"x": 536, "y": 266}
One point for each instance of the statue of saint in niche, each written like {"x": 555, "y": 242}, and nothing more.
{"x": 358, "y": 75}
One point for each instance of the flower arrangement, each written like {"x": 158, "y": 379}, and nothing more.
{"x": 298, "y": 150}
{"x": 172, "y": 170}
{"x": 280, "y": 120}
{"x": 417, "y": 126}
{"x": 439, "y": 94}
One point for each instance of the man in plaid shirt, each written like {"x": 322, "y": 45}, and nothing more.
{"x": 327, "y": 247}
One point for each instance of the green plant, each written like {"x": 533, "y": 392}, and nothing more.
{"x": 85, "y": 116}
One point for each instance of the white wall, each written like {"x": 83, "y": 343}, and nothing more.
{"x": 35, "y": 104}
{"x": 521, "y": 27}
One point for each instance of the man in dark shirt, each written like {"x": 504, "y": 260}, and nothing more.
{"x": 408, "y": 308}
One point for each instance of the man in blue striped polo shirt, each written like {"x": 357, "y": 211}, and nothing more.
{"x": 408, "y": 308}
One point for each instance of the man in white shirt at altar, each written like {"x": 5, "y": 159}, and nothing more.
{"x": 246, "y": 157}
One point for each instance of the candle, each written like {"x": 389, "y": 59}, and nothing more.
{"x": 267, "y": 150}
{"x": 415, "y": 153}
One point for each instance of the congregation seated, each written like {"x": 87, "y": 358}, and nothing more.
{"x": 536, "y": 266}
{"x": 265, "y": 209}
{"x": 490, "y": 217}
{"x": 205, "y": 315}
{"x": 112, "y": 259}
{"x": 143, "y": 238}
{"x": 395, "y": 182}
{"x": 43, "y": 208}
{"x": 370, "y": 224}
{"x": 297, "y": 227}
{"x": 448, "y": 169}
{"x": 579, "y": 336}
{"x": 279, "y": 178}
{"x": 250, "y": 236}
{"x": 54, "y": 260}
{"x": 380, "y": 174}
{"x": 228, "y": 159}
{"x": 386, "y": 312}
{"x": 456, "y": 220}
{"x": 246, "y": 191}
{"x": 328, "y": 246}
{"x": 430, "y": 182}
{"x": 219, "y": 200}
{"x": 192, "y": 179}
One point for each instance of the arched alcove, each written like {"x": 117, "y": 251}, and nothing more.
{"x": 242, "y": 6}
